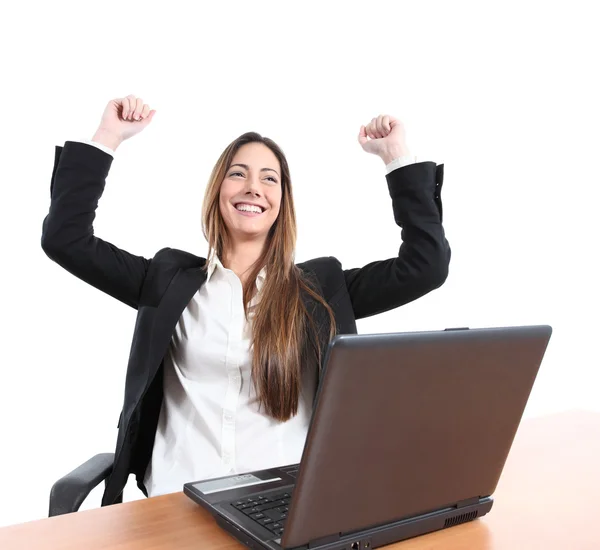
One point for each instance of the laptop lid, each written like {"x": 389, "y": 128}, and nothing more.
{"x": 405, "y": 424}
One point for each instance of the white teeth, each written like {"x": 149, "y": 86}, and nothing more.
{"x": 249, "y": 208}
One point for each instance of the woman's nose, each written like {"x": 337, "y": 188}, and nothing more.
{"x": 253, "y": 186}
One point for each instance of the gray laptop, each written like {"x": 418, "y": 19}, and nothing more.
{"x": 409, "y": 434}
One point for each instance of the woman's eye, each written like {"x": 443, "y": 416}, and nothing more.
{"x": 241, "y": 174}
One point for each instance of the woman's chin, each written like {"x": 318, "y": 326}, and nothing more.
{"x": 249, "y": 234}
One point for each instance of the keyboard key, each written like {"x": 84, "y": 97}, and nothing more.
{"x": 275, "y": 515}
{"x": 263, "y": 507}
{"x": 268, "y": 506}
{"x": 265, "y": 521}
{"x": 259, "y": 515}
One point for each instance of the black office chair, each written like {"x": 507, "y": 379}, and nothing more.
{"x": 69, "y": 492}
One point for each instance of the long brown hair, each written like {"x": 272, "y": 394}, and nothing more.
{"x": 285, "y": 332}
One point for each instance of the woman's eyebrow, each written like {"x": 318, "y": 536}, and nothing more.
{"x": 246, "y": 167}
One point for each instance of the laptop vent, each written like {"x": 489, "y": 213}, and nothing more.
{"x": 456, "y": 520}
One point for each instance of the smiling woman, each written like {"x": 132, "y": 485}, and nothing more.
{"x": 249, "y": 222}
{"x": 227, "y": 352}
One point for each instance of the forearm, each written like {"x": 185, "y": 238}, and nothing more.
{"x": 77, "y": 185}
{"x": 423, "y": 258}
{"x": 68, "y": 238}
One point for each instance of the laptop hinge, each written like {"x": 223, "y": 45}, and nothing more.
{"x": 324, "y": 540}
{"x": 467, "y": 502}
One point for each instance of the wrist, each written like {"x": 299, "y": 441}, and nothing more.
{"x": 107, "y": 138}
{"x": 394, "y": 153}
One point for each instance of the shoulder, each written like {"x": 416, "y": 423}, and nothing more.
{"x": 321, "y": 267}
{"x": 328, "y": 272}
{"x": 164, "y": 265}
{"x": 173, "y": 258}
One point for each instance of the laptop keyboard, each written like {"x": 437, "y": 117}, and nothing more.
{"x": 270, "y": 512}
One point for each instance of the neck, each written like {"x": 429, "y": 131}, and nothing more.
{"x": 242, "y": 256}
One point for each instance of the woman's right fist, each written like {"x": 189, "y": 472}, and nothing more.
{"x": 125, "y": 117}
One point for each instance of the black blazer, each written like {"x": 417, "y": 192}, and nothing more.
{"x": 161, "y": 287}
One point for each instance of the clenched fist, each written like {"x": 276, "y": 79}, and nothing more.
{"x": 384, "y": 136}
{"x": 122, "y": 119}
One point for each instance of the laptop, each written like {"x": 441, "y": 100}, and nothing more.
{"x": 409, "y": 434}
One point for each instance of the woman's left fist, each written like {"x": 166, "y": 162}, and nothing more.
{"x": 384, "y": 136}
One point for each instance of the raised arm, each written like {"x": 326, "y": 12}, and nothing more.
{"x": 424, "y": 255}
{"x": 78, "y": 180}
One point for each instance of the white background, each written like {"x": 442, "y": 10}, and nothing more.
{"x": 504, "y": 94}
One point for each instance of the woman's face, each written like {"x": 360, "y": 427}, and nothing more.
{"x": 250, "y": 196}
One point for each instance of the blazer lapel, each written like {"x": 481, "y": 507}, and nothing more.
{"x": 182, "y": 288}
{"x": 321, "y": 321}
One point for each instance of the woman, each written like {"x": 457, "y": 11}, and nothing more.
{"x": 227, "y": 351}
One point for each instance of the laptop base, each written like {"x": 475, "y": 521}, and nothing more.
{"x": 377, "y": 536}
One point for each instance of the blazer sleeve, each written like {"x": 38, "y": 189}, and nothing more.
{"x": 424, "y": 256}
{"x": 77, "y": 183}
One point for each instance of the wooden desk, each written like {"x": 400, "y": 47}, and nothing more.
{"x": 547, "y": 499}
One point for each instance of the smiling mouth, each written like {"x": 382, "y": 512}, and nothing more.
{"x": 249, "y": 209}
